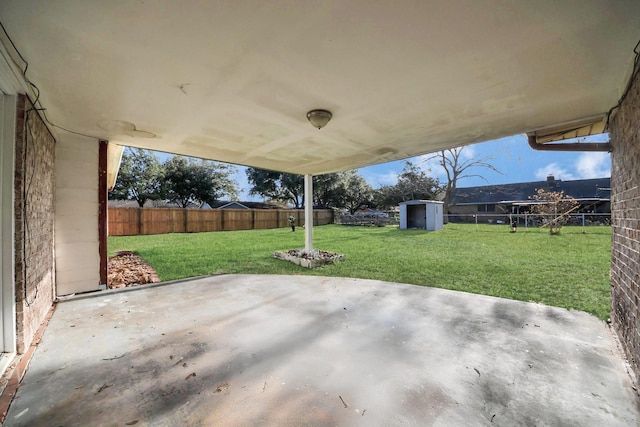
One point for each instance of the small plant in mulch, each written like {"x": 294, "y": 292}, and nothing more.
{"x": 309, "y": 259}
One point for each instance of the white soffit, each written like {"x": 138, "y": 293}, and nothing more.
{"x": 572, "y": 130}
{"x": 233, "y": 81}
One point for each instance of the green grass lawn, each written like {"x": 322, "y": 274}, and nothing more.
{"x": 568, "y": 270}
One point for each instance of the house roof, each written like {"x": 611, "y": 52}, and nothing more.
{"x": 149, "y": 204}
{"x": 220, "y": 204}
{"x": 598, "y": 188}
{"x": 233, "y": 81}
{"x": 249, "y": 205}
{"x": 232, "y": 205}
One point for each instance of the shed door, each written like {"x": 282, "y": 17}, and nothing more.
{"x": 432, "y": 213}
{"x": 417, "y": 216}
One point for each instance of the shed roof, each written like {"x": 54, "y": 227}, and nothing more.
{"x": 422, "y": 202}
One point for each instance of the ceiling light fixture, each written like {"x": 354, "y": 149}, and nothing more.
{"x": 319, "y": 118}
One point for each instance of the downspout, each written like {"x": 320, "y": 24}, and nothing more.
{"x": 571, "y": 146}
{"x": 103, "y": 220}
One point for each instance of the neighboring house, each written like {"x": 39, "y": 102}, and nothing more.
{"x": 225, "y": 204}
{"x": 220, "y": 204}
{"x": 232, "y": 205}
{"x": 494, "y": 202}
{"x": 152, "y": 204}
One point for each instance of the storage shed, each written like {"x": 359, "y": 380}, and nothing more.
{"x": 425, "y": 214}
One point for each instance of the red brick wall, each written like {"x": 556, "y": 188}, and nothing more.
{"x": 34, "y": 219}
{"x": 625, "y": 214}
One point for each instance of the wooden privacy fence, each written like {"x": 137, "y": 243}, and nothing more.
{"x": 135, "y": 221}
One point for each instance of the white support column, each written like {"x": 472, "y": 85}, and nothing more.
{"x": 308, "y": 212}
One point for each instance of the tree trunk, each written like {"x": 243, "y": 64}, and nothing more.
{"x": 445, "y": 209}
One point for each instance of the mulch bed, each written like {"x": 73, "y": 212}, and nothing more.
{"x": 128, "y": 269}
{"x": 309, "y": 259}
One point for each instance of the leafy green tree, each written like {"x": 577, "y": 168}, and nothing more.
{"x": 280, "y": 186}
{"x": 413, "y": 184}
{"x": 333, "y": 190}
{"x": 328, "y": 190}
{"x": 188, "y": 180}
{"x": 345, "y": 189}
{"x": 355, "y": 192}
{"x": 139, "y": 177}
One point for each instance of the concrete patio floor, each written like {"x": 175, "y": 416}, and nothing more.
{"x": 294, "y": 350}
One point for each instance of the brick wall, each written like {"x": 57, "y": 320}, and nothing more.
{"x": 34, "y": 219}
{"x": 625, "y": 213}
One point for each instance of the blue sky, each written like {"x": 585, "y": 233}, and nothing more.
{"x": 514, "y": 158}
{"x": 511, "y": 155}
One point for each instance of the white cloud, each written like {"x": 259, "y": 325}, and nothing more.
{"x": 468, "y": 152}
{"x": 431, "y": 165}
{"x": 377, "y": 180}
{"x": 593, "y": 165}
{"x": 555, "y": 170}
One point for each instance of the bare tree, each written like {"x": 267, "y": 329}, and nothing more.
{"x": 456, "y": 168}
{"x": 554, "y": 207}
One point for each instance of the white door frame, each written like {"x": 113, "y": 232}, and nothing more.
{"x": 12, "y": 83}
{"x": 7, "y": 226}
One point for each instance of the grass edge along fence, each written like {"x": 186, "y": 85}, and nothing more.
{"x": 144, "y": 221}
{"x": 530, "y": 220}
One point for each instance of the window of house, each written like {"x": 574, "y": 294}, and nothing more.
{"x": 487, "y": 208}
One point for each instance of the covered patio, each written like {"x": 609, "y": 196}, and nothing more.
{"x": 294, "y": 350}
{"x": 235, "y": 82}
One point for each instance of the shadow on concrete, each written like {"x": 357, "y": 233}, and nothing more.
{"x": 298, "y": 350}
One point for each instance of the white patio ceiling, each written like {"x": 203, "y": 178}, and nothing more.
{"x": 233, "y": 80}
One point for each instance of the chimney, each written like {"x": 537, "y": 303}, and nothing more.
{"x": 551, "y": 178}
